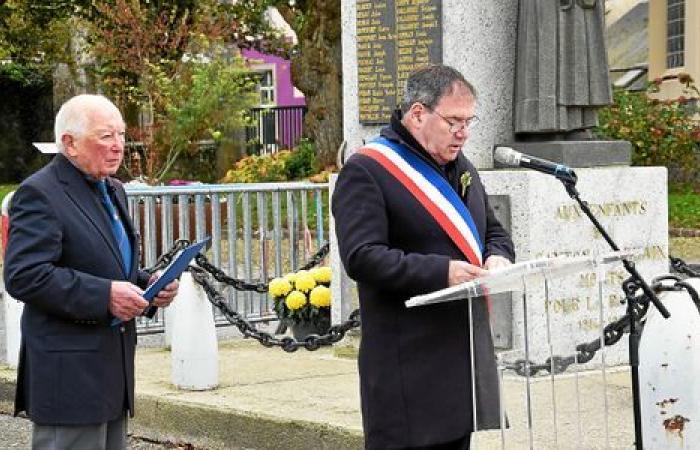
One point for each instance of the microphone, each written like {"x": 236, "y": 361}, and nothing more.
{"x": 510, "y": 157}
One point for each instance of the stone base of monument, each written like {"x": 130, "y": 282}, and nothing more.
{"x": 631, "y": 204}
{"x": 577, "y": 153}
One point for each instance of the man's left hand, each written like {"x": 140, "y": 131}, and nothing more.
{"x": 496, "y": 262}
{"x": 166, "y": 295}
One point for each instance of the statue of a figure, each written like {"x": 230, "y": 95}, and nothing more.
{"x": 562, "y": 68}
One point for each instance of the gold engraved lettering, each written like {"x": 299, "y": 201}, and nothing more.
{"x": 571, "y": 212}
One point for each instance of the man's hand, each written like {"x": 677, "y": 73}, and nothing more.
{"x": 496, "y": 262}
{"x": 461, "y": 271}
{"x": 166, "y": 295}
{"x": 125, "y": 300}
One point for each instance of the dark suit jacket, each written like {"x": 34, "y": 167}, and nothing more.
{"x": 74, "y": 368}
{"x": 414, "y": 363}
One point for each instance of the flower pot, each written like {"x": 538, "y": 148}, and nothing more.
{"x": 302, "y": 330}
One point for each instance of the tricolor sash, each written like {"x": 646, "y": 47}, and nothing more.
{"x": 432, "y": 191}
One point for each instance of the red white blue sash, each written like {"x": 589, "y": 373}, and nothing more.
{"x": 432, "y": 191}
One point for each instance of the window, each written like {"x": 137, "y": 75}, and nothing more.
{"x": 267, "y": 88}
{"x": 675, "y": 33}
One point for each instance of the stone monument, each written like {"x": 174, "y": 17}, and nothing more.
{"x": 561, "y": 79}
{"x": 490, "y": 43}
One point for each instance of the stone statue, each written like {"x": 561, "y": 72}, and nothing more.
{"x": 561, "y": 70}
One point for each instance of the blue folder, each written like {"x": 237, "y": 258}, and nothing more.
{"x": 170, "y": 273}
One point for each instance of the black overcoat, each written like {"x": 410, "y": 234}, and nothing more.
{"x": 414, "y": 363}
{"x": 74, "y": 367}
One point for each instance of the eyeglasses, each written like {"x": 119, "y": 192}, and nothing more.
{"x": 456, "y": 126}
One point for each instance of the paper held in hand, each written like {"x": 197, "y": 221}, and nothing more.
{"x": 510, "y": 278}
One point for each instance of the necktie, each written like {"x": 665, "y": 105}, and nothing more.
{"x": 117, "y": 226}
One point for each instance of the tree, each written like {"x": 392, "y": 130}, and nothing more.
{"x": 317, "y": 70}
{"x": 154, "y": 35}
{"x": 316, "y": 66}
{"x": 32, "y": 41}
{"x": 170, "y": 69}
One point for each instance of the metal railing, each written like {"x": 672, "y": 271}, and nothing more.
{"x": 274, "y": 128}
{"x": 257, "y": 231}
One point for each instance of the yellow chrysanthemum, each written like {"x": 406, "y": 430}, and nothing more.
{"x": 290, "y": 277}
{"x": 279, "y": 287}
{"x": 321, "y": 274}
{"x": 320, "y": 296}
{"x": 295, "y": 300}
{"x": 304, "y": 282}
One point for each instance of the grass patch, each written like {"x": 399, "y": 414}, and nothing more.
{"x": 6, "y": 189}
{"x": 684, "y": 209}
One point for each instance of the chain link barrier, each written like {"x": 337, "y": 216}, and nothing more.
{"x": 585, "y": 352}
{"x": 613, "y": 332}
{"x": 205, "y": 269}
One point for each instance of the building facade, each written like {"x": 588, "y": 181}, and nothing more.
{"x": 674, "y": 42}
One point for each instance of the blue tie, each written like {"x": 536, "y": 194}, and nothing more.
{"x": 117, "y": 227}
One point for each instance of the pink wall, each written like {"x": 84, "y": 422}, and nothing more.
{"x": 284, "y": 90}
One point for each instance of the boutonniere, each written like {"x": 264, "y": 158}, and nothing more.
{"x": 465, "y": 180}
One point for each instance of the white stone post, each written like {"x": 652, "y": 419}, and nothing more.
{"x": 13, "y": 333}
{"x": 12, "y": 308}
{"x": 669, "y": 363}
{"x": 168, "y": 314}
{"x": 194, "y": 351}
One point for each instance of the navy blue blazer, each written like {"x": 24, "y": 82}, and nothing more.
{"x": 61, "y": 257}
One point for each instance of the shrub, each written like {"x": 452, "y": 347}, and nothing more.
{"x": 662, "y": 132}
{"x": 284, "y": 165}
{"x": 302, "y": 162}
{"x": 258, "y": 169}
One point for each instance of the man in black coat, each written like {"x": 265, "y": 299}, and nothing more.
{"x": 412, "y": 217}
{"x": 72, "y": 258}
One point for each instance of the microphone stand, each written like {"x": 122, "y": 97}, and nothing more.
{"x": 569, "y": 182}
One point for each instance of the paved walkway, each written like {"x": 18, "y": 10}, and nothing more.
{"x": 268, "y": 399}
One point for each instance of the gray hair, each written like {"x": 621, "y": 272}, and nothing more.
{"x": 75, "y": 115}
{"x": 429, "y": 84}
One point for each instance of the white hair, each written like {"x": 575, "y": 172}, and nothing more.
{"x": 75, "y": 115}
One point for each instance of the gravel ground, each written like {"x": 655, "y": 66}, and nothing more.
{"x": 16, "y": 434}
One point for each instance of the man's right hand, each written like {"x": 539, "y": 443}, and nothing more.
{"x": 461, "y": 271}
{"x": 125, "y": 300}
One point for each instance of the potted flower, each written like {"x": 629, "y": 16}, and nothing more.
{"x": 303, "y": 301}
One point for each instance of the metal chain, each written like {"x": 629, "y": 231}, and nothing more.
{"x": 201, "y": 276}
{"x": 680, "y": 266}
{"x": 288, "y": 344}
{"x": 612, "y": 333}
{"x": 166, "y": 258}
{"x": 242, "y": 285}
{"x": 317, "y": 258}
{"x": 220, "y": 275}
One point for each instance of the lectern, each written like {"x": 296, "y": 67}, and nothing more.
{"x": 521, "y": 277}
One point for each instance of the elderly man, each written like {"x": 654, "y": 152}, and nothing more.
{"x": 72, "y": 258}
{"x": 412, "y": 217}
